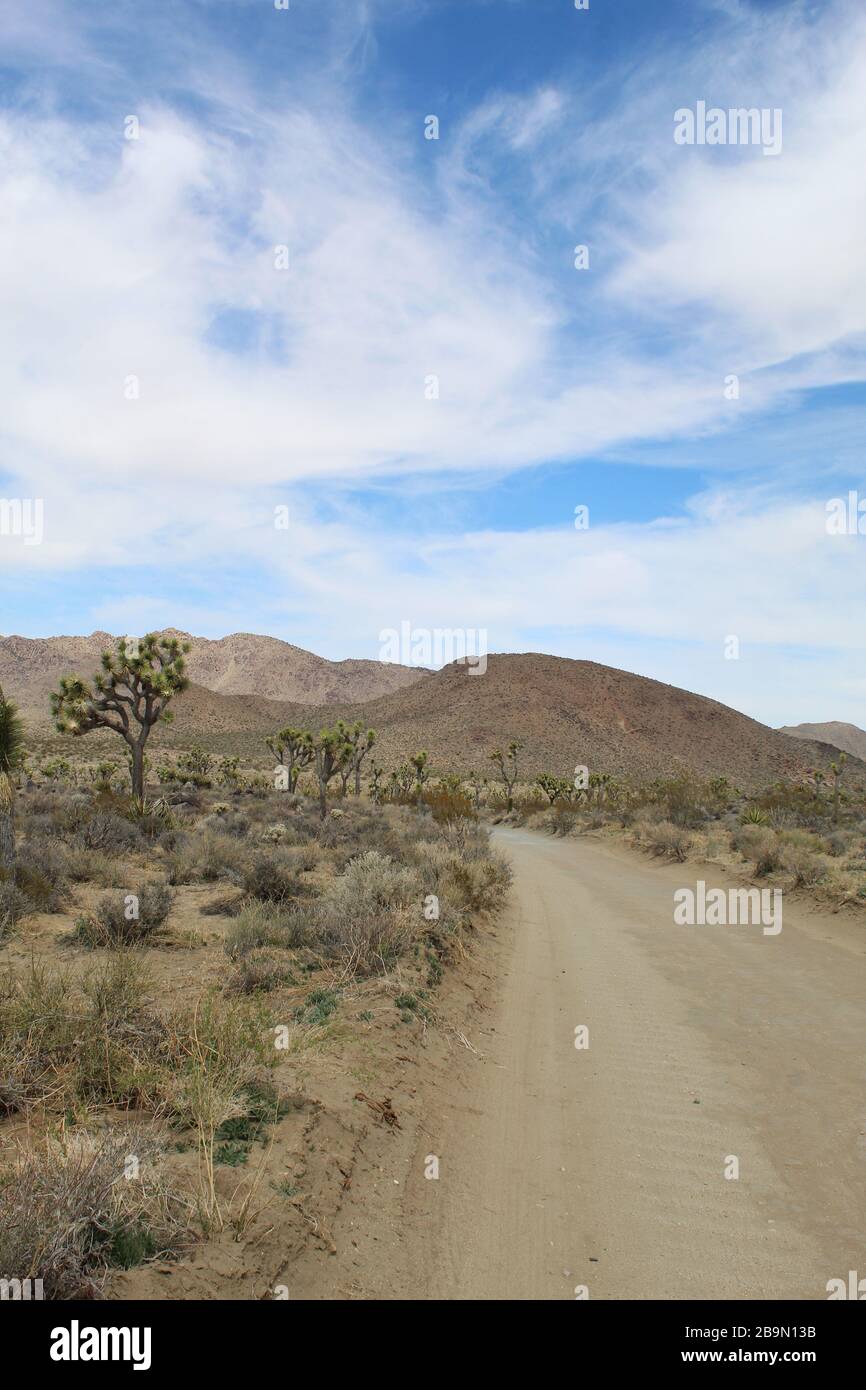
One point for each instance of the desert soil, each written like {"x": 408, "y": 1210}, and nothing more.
{"x": 604, "y": 1167}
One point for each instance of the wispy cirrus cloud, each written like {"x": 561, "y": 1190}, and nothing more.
{"x": 164, "y": 381}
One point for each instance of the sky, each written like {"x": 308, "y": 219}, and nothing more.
{"x": 272, "y": 359}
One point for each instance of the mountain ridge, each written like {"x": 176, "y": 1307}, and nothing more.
{"x": 567, "y": 712}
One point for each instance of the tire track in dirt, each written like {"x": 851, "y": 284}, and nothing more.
{"x": 605, "y": 1167}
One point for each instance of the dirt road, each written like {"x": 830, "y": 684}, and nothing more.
{"x": 605, "y": 1167}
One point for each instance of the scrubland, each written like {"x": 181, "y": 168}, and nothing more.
{"x": 200, "y": 998}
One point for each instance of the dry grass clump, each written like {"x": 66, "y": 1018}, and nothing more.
{"x": 666, "y": 840}
{"x": 259, "y": 970}
{"x": 80, "y": 1203}
{"x": 807, "y": 867}
{"x": 14, "y": 905}
{"x": 126, "y": 919}
{"x": 206, "y": 856}
{"x": 259, "y": 925}
{"x": 761, "y": 845}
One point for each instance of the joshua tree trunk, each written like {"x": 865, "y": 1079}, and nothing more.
{"x": 7, "y": 827}
{"x": 136, "y": 758}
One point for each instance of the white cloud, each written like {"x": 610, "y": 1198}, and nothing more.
{"x": 118, "y": 258}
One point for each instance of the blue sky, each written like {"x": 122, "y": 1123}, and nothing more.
{"x": 165, "y": 385}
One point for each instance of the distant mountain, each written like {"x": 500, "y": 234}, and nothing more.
{"x": 241, "y": 664}
{"x": 567, "y": 713}
{"x": 847, "y": 737}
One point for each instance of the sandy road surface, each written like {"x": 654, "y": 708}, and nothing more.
{"x": 605, "y": 1167}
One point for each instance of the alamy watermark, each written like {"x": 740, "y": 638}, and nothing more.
{"x": 846, "y": 516}
{"x": 740, "y": 125}
{"x": 733, "y": 907}
{"x": 24, "y": 517}
{"x": 21, "y": 1290}
{"x": 434, "y": 647}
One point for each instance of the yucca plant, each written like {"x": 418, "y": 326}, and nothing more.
{"x": 11, "y": 749}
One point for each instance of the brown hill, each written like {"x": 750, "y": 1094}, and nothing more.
{"x": 566, "y": 712}
{"x": 846, "y": 737}
{"x": 240, "y": 664}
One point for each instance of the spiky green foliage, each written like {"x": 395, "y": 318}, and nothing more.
{"x": 418, "y": 762}
{"x": 129, "y": 696}
{"x": 837, "y": 770}
{"x": 11, "y": 753}
{"x": 293, "y": 750}
{"x": 361, "y": 742}
{"x": 553, "y": 787}
{"x": 332, "y": 752}
{"x": 11, "y": 735}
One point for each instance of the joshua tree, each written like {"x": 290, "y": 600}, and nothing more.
{"x": 553, "y": 787}
{"x": 293, "y": 750}
{"x": 837, "y": 769}
{"x": 422, "y": 772}
{"x": 450, "y": 784}
{"x": 362, "y": 742}
{"x": 599, "y": 783}
{"x": 373, "y": 781}
{"x": 401, "y": 780}
{"x": 11, "y": 749}
{"x": 506, "y": 765}
{"x": 477, "y": 786}
{"x": 332, "y": 752}
{"x": 228, "y": 771}
{"x": 129, "y": 696}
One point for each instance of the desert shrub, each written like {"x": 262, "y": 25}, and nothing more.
{"x": 839, "y": 842}
{"x": 372, "y": 881}
{"x": 57, "y": 1048}
{"x": 14, "y": 904}
{"x": 563, "y": 819}
{"x": 683, "y": 799}
{"x": 120, "y": 1049}
{"x": 759, "y": 844}
{"x": 127, "y": 919}
{"x": 364, "y": 916}
{"x": 303, "y": 859}
{"x": 806, "y": 866}
{"x": 92, "y": 866}
{"x": 41, "y": 872}
{"x": 259, "y": 924}
{"x": 748, "y": 840}
{"x": 447, "y": 805}
{"x": 24, "y": 1076}
{"x": 218, "y": 1055}
{"x": 272, "y": 880}
{"x": 107, "y": 831}
{"x": 67, "y": 1214}
{"x": 206, "y": 857}
{"x": 770, "y": 857}
{"x": 260, "y": 969}
{"x": 667, "y": 839}
{"x": 466, "y": 884}
{"x": 798, "y": 838}
{"x": 225, "y": 821}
